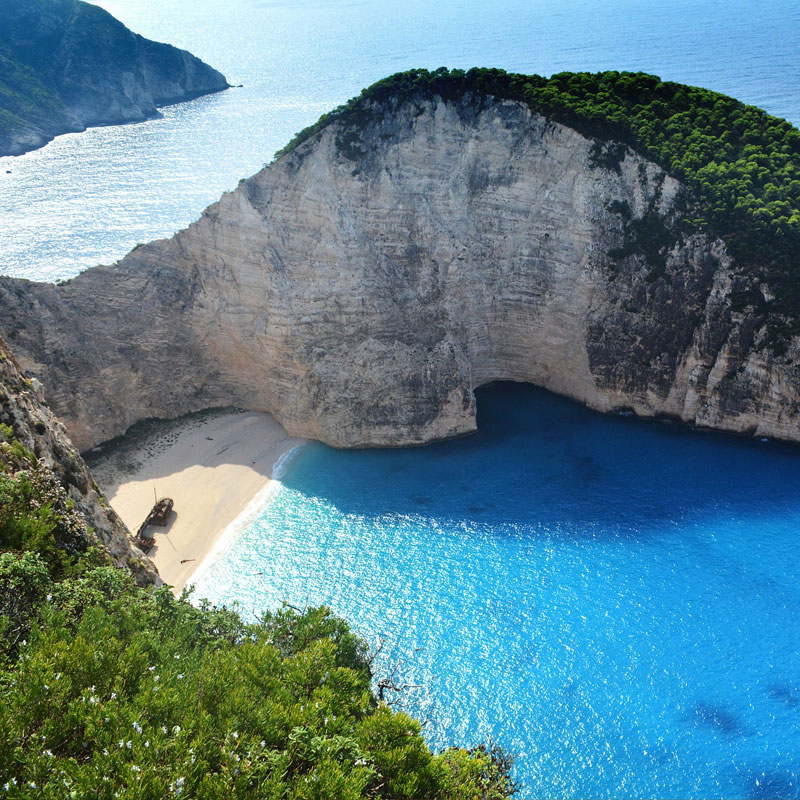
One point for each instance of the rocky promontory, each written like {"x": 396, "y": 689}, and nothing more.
{"x": 66, "y": 65}
{"x": 34, "y": 441}
{"x": 401, "y": 255}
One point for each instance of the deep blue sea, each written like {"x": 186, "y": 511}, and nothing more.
{"x": 613, "y": 600}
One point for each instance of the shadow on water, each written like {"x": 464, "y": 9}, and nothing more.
{"x": 548, "y": 464}
{"x": 719, "y": 718}
{"x": 785, "y": 693}
{"x": 769, "y": 785}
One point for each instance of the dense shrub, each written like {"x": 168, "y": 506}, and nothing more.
{"x": 109, "y": 690}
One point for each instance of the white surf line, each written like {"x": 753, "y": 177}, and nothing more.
{"x": 254, "y": 509}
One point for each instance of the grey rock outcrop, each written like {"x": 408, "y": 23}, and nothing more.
{"x": 66, "y": 65}
{"x": 24, "y": 409}
{"x": 362, "y": 286}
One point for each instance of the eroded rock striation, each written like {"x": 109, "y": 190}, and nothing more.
{"x": 66, "y": 65}
{"x": 28, "y": 420}
{"x": 363, "y": 285}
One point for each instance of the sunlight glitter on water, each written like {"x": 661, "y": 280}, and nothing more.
{"x": 89, "y": 198}
{"x": 626, "y": 625}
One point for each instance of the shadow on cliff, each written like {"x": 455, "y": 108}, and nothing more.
{"x": 548, "y": 465}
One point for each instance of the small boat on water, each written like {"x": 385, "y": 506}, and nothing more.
{"x": 159, "y": 514}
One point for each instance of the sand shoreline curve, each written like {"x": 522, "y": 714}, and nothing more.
{"x": 218, "y": 467}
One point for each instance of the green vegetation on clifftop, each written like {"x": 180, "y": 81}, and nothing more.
{"x": 741, "y": 165}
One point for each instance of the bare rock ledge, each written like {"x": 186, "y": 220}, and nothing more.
{"x": 22, "y": 407}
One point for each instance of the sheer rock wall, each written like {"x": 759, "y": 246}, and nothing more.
{"x": 363, "y": 285}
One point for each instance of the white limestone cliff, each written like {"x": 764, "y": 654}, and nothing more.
{"x": 362, "y": 286}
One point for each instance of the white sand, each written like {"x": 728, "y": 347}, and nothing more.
{"x": 212, "y": 467}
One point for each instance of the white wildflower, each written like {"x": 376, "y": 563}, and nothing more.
{"x": 137, "y": 727}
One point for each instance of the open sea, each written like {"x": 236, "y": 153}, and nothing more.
{"x": 612, "y": 600}
{"x": 88, "y": 198}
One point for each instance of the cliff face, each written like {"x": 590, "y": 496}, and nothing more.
{"x": 66, "y": 65}
{"x": 365, "y": 284}
{"x": 24, "y": 410}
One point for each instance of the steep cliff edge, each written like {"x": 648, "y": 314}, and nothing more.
{"x": 33, "y": 440}
{"x": 66, "y": 65}
{"x": 363, "y": 285}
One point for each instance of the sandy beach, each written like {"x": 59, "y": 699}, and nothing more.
{"x": 211, "y": 464}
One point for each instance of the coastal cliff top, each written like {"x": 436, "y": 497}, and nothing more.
{"x": 741, "y": 165}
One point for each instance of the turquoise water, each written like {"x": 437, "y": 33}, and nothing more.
{"x": 613, "y": 600}
{"x": 90, "y": 197}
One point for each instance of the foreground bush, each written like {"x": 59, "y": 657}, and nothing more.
{"x": 121, "y": 692}
{"x": 109, "y": 690}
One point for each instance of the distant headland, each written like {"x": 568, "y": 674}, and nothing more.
{"x": 66, "y": 65}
